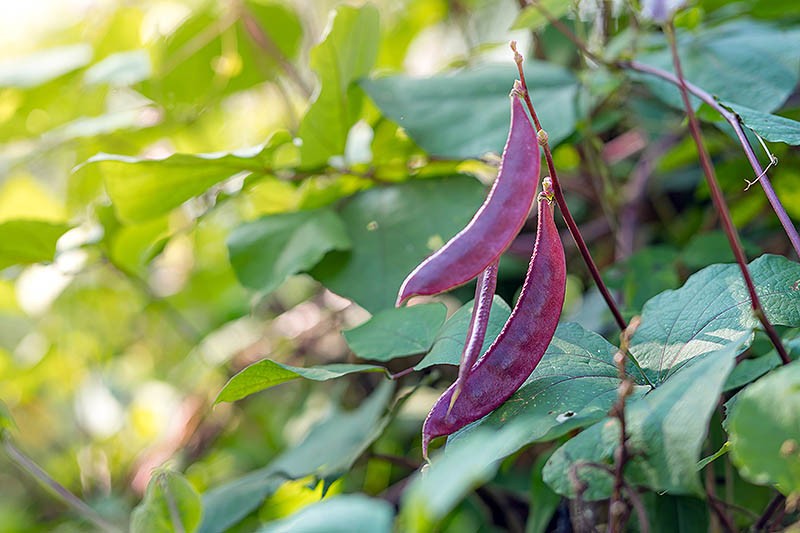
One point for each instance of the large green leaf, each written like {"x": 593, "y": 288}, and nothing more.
{"x": 466, "y": 113}
{"x": 23, "y": 242}
{"x": 346, "y": 54}
{"x": 338, "y": 514}
{"x": 170, "y": 504}
{"x": 392, "y": 229}
{"x": 668, "y": 513}
{"x": 212, "y": 53}
{"x": 329, "y": 449}
{"x": 267, "y": 373}
{"x": 141, "y": 189}
{"x": 764, "y": 430}
{"x": 710, "y": 311}
{"x": 771, "y": 127}
{"x": 574, "y": 385}
{"x": 264, "y": 253}
{"x": 43, "y": 66}
{"x": 431, "y": 494}
{"x": 718, "y": 59}
{"x": 452, "y": 337}
{"x": 397, "y": 332}
{"x": 666, "y": 431}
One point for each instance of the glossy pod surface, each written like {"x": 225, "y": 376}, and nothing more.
{"x": 521, "y": 343}
{"x": 496, "y": 223}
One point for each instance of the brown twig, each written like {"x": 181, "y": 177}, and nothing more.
{"x": 719, "y": 200}
{"x": 763, "y": 521}
{"x": 559, "y": 194}
{"x": 618, "y": 511}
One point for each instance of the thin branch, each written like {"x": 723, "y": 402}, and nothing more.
{"x": 773, "y": 506}
{"x": 729, "y": 116}
{"x": 618, "y": 511}
{"x": 719, "y": 201}
{"x": 541, "y": 135}
{"x": 79, "y": 506}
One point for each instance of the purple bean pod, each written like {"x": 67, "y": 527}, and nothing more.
{"x": 484, "y": 294}
{"x": 521, "y": 344}
{"x": 496, "y": 223}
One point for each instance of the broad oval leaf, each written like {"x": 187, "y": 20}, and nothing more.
{"x": 265, "y": 252}
{"x": 718, "y": 59}
{"x": 666, "y": 430}
{"x": 764, "y": 430}
{"x": 771, "y": 127}
{"x": 23, "y": 242}
{"x": 267, "y": 373}
{"x": 338, "y": 514}
{"x": 170, "y": 504}
{"x": 397, "y": 332}
{"x": 441, "y": 112}
{"x": 346, "y": 54}
{"x": 141, "y": 189}
{"x": 329, "y": 449}
{"x": 711, "y": 310}
{"x": 392, "y": 229}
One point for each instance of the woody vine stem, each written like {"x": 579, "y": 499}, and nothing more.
{"x": 719, "y": 200}
{"x": 541, "y": 135}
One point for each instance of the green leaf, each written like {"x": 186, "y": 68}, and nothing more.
{"x": 392, "y": 229}
{"x": 543, "y": 502}
{"x": 763, "y": 430}
{"x": 749, "y": 370}
{"x": 451, "y": 338}
{"x": 141, "y": 189}
{"x": 123, "y": 68}
{"x": 267, "y": 373}
{"x": 264, "y": 253}
{"x": 668, "y": 513}
{"x": 573, "y": 386}
{"x": 6, "y": 420}
{"x": 772, "y": 128}
{"x": 338, "y": 514}
{"x": 23, "y": 242}
{"x": 40, "y": 67}
{"x": 712, "y": 247}
{"x": 397, "y": 332}
{"x": 718, "y": 59}
{"x": 532, "y": 18}
{"x": 466, "y": 113}
{"x": 711, "y": 310}
{"x": 666, "y": 431}
{"x": 346, "y": 54}
{"x": 170, "y": 504}
{"x": 329, "y": 450}
{"x": 433, "y": 493}
{"x": 212, "y": 54}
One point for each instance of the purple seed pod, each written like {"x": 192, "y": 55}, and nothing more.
{"x": 521, "y": 344}
{"x": 496, "y": 223}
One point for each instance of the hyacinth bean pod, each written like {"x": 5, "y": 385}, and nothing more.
{"x": 496, "y": 223}
{"x": 521, "y": 344}
{"x": 484, "y": 294}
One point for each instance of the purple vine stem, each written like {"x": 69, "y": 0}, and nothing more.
{"x": 732, "y": 119}
{"x": 719, "y": 200}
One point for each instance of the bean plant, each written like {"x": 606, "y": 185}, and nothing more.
{"x": 428, "y": 265}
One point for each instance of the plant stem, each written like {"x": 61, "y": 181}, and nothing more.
{"x": 618, "y": 510}
{"x": 773, "y": 506}
{"x": 719, "y": 200}
{"x": 729, "y": 116}
{"x": 562, "y": 203}
{"x": 79, "y": 506}
{"x": 732, "y": 119}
